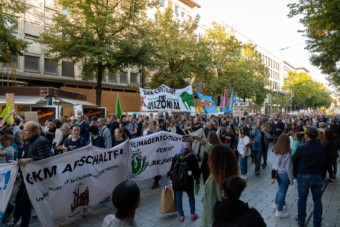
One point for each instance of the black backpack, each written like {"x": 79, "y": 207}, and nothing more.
{"x": 180, "y": 176}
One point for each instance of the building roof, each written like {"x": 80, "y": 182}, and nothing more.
{"x": 191, "y": 3}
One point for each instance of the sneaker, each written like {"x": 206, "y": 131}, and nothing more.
{"x": 281, "y": 214}
{"x": 181, "y": 218}
{"x": 194, "y": 217}
{"x": 244, "y": 177}
{"x": 257, "y": 173}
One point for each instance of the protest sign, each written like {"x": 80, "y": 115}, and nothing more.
{"x": 8, "y": 173}
{"x": 152, "y": 155}
{"x": 165, "y": 98}
{"x": 70, "y": 183}
{"x": 240, "y": 108}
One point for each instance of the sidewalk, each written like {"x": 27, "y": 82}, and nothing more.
{"x": 259, "y": 193}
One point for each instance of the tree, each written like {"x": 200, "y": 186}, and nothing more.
{"x": 237, "y": 66}
{"x": 179, "y": 57}
{"x": 322, "y": 21}
{"x": 94, "y": 32}
{"x": 10, "y": 45}
{"x": 306, "y": 93}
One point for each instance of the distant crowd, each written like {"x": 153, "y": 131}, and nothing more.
{"x": 305, "y": 149}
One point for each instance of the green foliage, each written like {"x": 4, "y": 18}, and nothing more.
{"x": 178, "y": 56}
{"x": 10, "y": 45}
{"x": 97, "y": 33}
{"x": 238, "y": 66}
{"x": 306, "y": 92}
{"x": 322, "y": 21}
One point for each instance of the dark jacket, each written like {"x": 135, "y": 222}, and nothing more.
{"x": 84, "y": 130}
{"x": 192, "y": 166}
{"x": 38, "y": 148}
{"x": 236, "y": 213}
{"x": 310, "y": 158}
{"x": 98, "y": 142}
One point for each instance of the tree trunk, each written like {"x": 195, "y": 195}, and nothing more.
{"x": 100, "y": 70}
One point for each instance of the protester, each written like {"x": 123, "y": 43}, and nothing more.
{"x": 37, "y": 148}
{"x": 310, "y": 164}
{"x": 332, "y": 154}
{"x": 222, "y": 165}
{"x": 125, "y": 198}
{"x": 282, "y": 172}
{"x": 96, "y": 140}
{"x": 6, "y": 151}
{"x": 183, "y": 172}
{"x": 104, "y": 131}
{"x": 75, "y": 141}
{"x": 243, "y": 150}
{"x": 118, "y": 137}
{"x": 257, "y": 146}
{"x": 231, "y": 211}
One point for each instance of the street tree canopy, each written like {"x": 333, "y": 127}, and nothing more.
{"x": 322, "y": 21}
{"x": 306, "y": 93}
{"x": 179, "y": 57}
{"x": 92, "y": 32}
{"x": 10, "y": 45}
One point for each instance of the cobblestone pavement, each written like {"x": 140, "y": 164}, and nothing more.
{"x": 259, "y": 193}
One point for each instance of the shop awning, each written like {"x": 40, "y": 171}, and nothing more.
{"x": 23, "y": 100}
{"x": 76, "y": 102}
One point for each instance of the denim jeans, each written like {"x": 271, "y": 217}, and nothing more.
{"x": 178, "y": 198}
{"x": 257, "y": 159}
{"x": 283, "y": 182}
{"x": 243, "y": 165}
{"x": 315, "y": 183}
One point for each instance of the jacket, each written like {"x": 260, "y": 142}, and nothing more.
{"x": 212, "y": 194}
{"x": 38, "y": 148}
{"x": 310, "y": 158}
{"x": 193, "y": 168}
{"x": 236, "y": 213}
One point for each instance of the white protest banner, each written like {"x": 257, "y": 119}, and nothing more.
{"x": 240, "y": 108}
{"x": 165, "y": 98}
{"x": 8, "y": 173}
{"x": 70, "y": 183}
{"x": 197, "y": 148}
{"x": 152, "y": 155}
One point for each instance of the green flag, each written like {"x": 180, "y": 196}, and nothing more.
{"x": 6, "y": 111}
{"x": 119, "y": 109}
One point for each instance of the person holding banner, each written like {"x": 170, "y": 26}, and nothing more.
{"x": 37, "y": 148}
{"x": 75, "y": 141}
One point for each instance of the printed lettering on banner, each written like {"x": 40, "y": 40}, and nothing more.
{"x": 8, "y": 173}
{"x": 165, "y": 98}
{"x": 152, "y": 155}
{"x": 68, "y": 184}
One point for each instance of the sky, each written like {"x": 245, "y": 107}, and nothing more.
{"x": 266, "y": 23}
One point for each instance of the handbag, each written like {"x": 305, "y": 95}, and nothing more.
{"x": 274, "y": 171}
{"x": 167, "y": 204}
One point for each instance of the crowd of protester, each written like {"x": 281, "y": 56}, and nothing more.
{"x": 305, "y": 148}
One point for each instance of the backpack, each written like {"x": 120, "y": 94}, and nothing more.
{"x": 180, "y": 175}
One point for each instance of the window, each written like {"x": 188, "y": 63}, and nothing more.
{"x": 182, "y": 14}
{"x": 112, "y": 77}
{"x": 32, "y": 30}
{"x": 176, "y": 10}
{"x": 50, "y": 67}
{"x": 67, "y": 69}
{"x": 32, "y": 63}
{"x": 134, "y": 78}
{"x": 123, "y": 78}
{"x": 162, "y": 3}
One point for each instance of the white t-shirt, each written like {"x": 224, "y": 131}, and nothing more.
{"x": 111, "y": 221}
{"x": 242, "y": 142}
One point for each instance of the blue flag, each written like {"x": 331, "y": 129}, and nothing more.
{"x": 208, "y": 103}
{"x": 232, "y": 101}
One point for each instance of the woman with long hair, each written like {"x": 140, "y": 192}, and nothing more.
{"x": 212, "y": 139}
{"x": 222, "y": 165}
{"x": 282, "y": 172}
{"x": 243, "y": 148}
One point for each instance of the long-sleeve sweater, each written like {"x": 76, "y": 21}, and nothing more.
{"x": 283, "y": 163}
